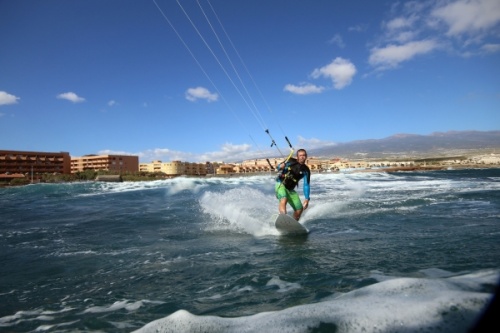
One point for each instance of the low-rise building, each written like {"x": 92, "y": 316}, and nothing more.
{"x": 270, "y": 164}
{"x": 226, "y": 169}
{"x": 114, "y": 163}
{"x": 33, "y": 162}
{"x": 175, "y": 168}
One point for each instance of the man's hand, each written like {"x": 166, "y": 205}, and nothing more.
{"x": 305, "y": 204}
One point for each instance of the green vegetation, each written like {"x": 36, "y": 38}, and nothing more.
{"x": 90, "y": 175}
{"x": 141, "y": 176}
{"x": 19, "y": 181}
{"x": 87, "y": 175}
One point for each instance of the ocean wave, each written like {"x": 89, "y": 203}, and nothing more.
{"x": 395, "y": 305}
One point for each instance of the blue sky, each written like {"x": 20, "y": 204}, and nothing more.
{"x": 202, "y": 80}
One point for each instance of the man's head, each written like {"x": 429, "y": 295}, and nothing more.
{"x": 301, "y": 156}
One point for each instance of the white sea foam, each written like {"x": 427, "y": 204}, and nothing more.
{"x": 283, "y": 286}
{"x": 249, "y": 209}
{"x": 395, "y": 305}
{"x": 119, "y": 305}
{"x": 43, "y": 328}
{"x": 180, "y": 184}
{"x": 241, "y": 209}
{"x": 39, "y": 314}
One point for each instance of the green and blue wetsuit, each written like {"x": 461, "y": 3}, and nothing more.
{"x": 289, "y": 178}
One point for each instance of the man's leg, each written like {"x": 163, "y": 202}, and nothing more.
{"x": 297, "y": 213}
{"x": 282, "y": 195}
{"x": 296, "y": 204}
{"x": 282, "y": 206}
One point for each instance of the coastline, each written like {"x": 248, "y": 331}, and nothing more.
{"x": 355, "y": 170}
{"x": 433, "y": 168}
{"x": 273, "y": 173}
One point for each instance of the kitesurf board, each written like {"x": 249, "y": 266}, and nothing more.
{"x": 288, "y": 225}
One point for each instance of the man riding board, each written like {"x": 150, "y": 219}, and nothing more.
{"x": 291, "y": 171}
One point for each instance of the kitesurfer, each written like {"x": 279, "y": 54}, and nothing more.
{"x": 291, "y": 171}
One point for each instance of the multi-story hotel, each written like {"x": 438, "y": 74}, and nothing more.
{"x": 175, "y": 168}
{"x": 115, "y": 163}
{"x": 30, "y": 162}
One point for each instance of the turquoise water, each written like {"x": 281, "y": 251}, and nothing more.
{"x": 385, "y": 252}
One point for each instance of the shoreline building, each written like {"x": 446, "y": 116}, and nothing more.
{"x": 113, "y": 163}
{"x": 33, "y": 162}
{"x": 175, "y": 168}
{"x": 270, "y": 165}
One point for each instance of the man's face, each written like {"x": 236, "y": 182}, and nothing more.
{"x": 301, "y": 157}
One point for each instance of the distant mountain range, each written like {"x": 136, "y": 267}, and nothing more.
{"x": 411, "y": 145}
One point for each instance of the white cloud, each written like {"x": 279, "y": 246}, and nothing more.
{"x": 113, "y": 152}
{"x": 491, "y": 48}
{"x": 468, "y": 16}
{"x": 405, "y": 36}
{"x": 400, "y": 23}
{"x": 194, "y": 94}
{"x": 340, "y": 71}
{"x": 303, "y": 89}
{"x": 313, "y": 143}
{"x": 72, "y": 97}
{"x": 111, "y": 103}
{"x": 164, "y": 155}
{"x": 228, "y": 153}
{"x": 402, "y": 29}
{"x": 466, "y": 27}
{"x": 6, "y": 98}
{"x": 337, "y": 40}
{"x": 391, "y": 56}
{"x": 357, "y": 28}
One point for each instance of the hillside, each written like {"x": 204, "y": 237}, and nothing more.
{"x": 412, "y": 145}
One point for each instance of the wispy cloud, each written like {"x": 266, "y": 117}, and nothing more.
{"x": 468, "y": 27}
{"x": 491, "y": 48}
{"x": 357, "y": 28}
{"x": 72, "y": 97}
{"x": 337, "y": 40}
{"x": 194, "y": 94}
{"x": 392, "y": 55}
{"x": 6, "y": 98}
{"x": 417, "y": 28}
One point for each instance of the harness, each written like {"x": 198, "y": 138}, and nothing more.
{"x": 292, "y": 173}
